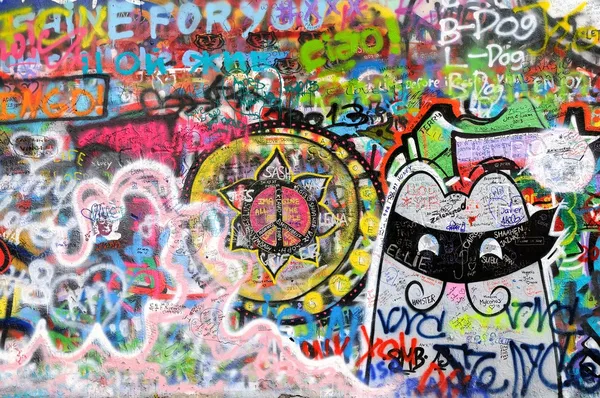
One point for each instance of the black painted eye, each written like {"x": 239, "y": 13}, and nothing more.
{"x": 430, "y": 243}
{"x": 490, "y": 246}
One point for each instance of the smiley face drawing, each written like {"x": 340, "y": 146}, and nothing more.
{"x": 460, "y": 289}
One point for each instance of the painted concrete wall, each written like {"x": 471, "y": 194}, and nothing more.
{"x": 317, "y": 198}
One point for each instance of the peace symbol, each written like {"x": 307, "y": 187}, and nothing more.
{"x": 281, "y": 217}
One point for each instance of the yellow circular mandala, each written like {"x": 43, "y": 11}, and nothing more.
{"x": 297, "y": 203}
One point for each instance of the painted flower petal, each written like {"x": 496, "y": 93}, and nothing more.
{"x": 309, "y": 253}
{"x": 273, "y": 262}
{"x": 327, "y": 221}
{"x": 274, "y": 167}
{"x": 239, "y": 237}
{"x": 235, "y": 193}
{"x": 313, "y": 183}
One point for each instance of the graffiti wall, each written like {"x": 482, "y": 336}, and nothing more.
{"x": 311, "y": 198}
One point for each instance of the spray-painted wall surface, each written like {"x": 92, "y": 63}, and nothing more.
{"x": 316, "y": 198}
